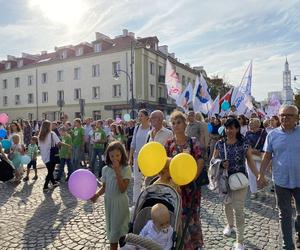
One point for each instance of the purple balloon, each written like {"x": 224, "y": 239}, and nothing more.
{"x": 82, "y": 184}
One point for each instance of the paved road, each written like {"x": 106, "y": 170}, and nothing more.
{"x": 30, "y": 219}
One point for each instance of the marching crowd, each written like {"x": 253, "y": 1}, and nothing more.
{"x": 242, "y": 147}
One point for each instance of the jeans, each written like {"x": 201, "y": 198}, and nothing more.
{"x": 50, "y": 167}
{"x": 97, "y": 152}
{"x": 283, "y": 198}
{"x": 76, "y": 157}
{"x": 62, "y": 168}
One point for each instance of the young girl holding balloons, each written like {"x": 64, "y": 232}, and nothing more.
{"x": 115, "y": 177}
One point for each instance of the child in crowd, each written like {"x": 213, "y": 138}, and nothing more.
{"x": 32, "y": 151}
{"x": 158, "y": 228}
{"x": 165, "y": 178}
{"x": 65, "y": 153}
{"x": 77, "y": 144}
{"x": 115, "y": 177}
{"x": 16, "y": 151}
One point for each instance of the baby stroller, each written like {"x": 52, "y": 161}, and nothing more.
{"x": 158, "y": 193}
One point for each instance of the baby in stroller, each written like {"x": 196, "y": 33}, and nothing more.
{"x": 155, "y": 223}
{"x": 158, "y": 228}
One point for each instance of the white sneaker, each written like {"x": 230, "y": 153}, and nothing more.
{"x": 227, "y": 231}
{"x": 239, "y": 246}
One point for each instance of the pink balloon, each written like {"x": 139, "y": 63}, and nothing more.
{"x": 82, "y": 184}
{"x": 3, "y": 118}
{"x": 118, "y": 120}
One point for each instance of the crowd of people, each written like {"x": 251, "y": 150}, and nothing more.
{"x": 109, "y": 148}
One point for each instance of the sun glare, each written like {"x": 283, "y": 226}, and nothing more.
{"x": 68, "y": 12}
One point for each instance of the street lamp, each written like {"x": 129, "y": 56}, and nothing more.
{"x": 117, "y": 76}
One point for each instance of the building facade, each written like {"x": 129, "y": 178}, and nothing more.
{"x": 81, "y": 80}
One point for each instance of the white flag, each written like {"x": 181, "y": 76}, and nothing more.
{"x": 201, "y": 97}
{"x": 242, "y": 101}
{"x": 273, "y": 106}
{"x": 185, "y": 98}
{"x": 215, "y": 107}
{"x": 172, "y": 81}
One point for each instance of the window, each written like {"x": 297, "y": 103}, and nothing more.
{"x": 20, "y": 63}
{"x": 115, "y": 67}
{"x": 44, "y": 97}
{"x": 160, "y": 92}
{"x": 7, "y": 65}
{"x": 17, "y": 82}
{"x": 79, "y": 51}
{"x": 152, "y": 70}
{"x": 5, "y": 100}
{"x": 188, "y": 80}
{"x": 30, "y": 80}
{"x": 96, "y": 70}
{"x": 63, "y": 54}
{"x": 77, "y": 115}
{"x": 76, "y": 73}
{"x": 161, "y": 70}
{"x": 60, "y": 75}
{"x": 183, "y": 79}
{"x": 97, "y": 47}
{"x": 44, "y": 77}
{"x": 17, "y": 99}
{"x": 30, "y": 98}
{"x": 60, "y": 95}
{"x": 117, "y": 90}
{"x": 152, "y": 90}
{"x": 193, "y": 82}
{"x": 96, "y": 92}
{"x": 30, "y": 116}
{"x": 4, "y": 84}
{"x": 97, "y": 115}
{"x": 77, "y": 94}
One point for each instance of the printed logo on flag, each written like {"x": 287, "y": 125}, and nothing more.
{"x": 200, "y": 94}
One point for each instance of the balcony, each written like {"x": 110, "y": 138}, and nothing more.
{"x": 161, "y": 78}
{"x": 162, "y": 100}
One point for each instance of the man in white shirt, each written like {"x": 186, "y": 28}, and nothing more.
{"x": 158, "y": 132}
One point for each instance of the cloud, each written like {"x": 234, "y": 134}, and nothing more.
{"x": 220, "y": 36}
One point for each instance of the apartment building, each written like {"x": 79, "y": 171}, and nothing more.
{"x": 80, "y": 80}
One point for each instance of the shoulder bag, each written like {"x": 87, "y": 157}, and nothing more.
{"x": 238, "y": 180}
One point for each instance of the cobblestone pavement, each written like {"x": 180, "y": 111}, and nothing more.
{"x": 30, "y": 219}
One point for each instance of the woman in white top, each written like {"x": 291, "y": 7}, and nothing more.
{"x": 47, "y": 138}
{"x": 138, "y": 141}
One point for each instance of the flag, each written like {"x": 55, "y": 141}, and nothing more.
{"x": 273, "y": 106}
{"x": 246, "y": 82}
{"x": 185, "y": 98}
{"x": 215, "y": 107}
{"x": 226, "y": 97}
{"x": 201, "y": 97}
{"x": 172, "y": 81}
{"x": 242, "y": 101}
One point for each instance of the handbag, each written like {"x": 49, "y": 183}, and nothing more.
{"x": 54, "y": 152}
{"x": 238, "y": 180}
{"x": 257, "y": 157}
{"x": 202, "y": 179}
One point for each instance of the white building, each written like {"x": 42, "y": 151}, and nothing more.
{"x": 287, "y": 92}
{"x": 35, "y": 86}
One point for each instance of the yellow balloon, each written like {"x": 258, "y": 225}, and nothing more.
{"x": 152, "y": 158}
{"x": 183, "y": 169}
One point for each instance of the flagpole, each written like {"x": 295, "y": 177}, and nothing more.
{"x": 242, "y": 79}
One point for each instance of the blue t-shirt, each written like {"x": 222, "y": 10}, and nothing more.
{"x": 236, "y": 155}
{"x": 285, "y": 150}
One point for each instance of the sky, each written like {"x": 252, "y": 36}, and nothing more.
{"x": 222, "y": 36}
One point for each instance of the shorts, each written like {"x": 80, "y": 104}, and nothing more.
{"x": 32, "y": 164}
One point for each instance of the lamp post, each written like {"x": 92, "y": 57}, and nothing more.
{"x": 117, "y": 76}
{"x": 130, "y": 77}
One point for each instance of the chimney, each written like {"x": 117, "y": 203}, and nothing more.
{"x": 125, "y": 32}
{"x": 172, "y": 55}
{"x": 11, "y": 58}
{"x": 163, "y": 49}
{"x": 131, "y": 34}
